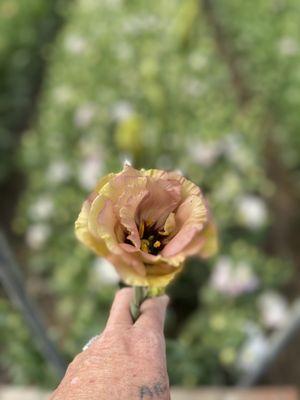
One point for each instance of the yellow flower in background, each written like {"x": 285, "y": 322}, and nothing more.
{"x": 146, "y": 223}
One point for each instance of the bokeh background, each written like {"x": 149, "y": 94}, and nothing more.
{"x": 209, "y": 87}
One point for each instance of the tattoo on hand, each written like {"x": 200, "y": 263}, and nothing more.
{"x": 152, "y": 392}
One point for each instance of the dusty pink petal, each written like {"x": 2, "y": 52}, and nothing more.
{"x": 190, "y": 217}
{"x": 104, "y": 222}
{"x": 163, "y": 198}
{"x": 133, "y": 195}
{"x": 129, "y": 248}
{"x": 169, "y": 226}
{"x": 132, "y": 260}
{"x": 94, "y": 209}
{"x": 187, "y": 187}
{"x": 192, "y": 211}
{"x": 119, "y": 231}
{"x": 145, "y": 257}
{"x": 195, "y": 245}
{"x": 120, "y": 180}
{"x": 179, "y": 242}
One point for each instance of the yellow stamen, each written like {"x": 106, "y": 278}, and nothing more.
{"x": 145, "y": 245}
{"x": 149, "y": 222}
{"x": 163, "y": 233}
{"x": 157, "y": 244}
{"x": 142, "y": 229}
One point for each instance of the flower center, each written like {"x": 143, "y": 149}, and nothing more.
{"x": 152, "y": 241}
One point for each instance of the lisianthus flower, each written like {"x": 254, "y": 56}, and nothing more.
{"x": 146, "y": 223}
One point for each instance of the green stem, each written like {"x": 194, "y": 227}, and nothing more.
{"x": 140, "y": 294}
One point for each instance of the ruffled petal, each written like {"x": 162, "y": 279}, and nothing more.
{"x": 163, "y": 197}
{"x": 84, "y": 235}
{"x": 190, "y": 218}
{"x": 210, "y": 237}
{"x": 188, "y": 188}
{"x": 157, "y": 276}
{"x": 132, "y": 196}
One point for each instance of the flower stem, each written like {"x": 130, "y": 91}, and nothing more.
{"x": 140, "y": 294}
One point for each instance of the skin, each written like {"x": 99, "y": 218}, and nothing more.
{"x": 127, "y": 361}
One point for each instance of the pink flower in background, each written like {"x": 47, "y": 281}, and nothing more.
{"x": 233, "y": 279}
{"x": 146, "y": 223}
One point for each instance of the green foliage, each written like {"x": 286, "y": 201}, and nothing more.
{"x": 150, "y": 81}
{"x": 25, "y": 29}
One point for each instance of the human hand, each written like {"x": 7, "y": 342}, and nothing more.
{"x": 127, "y": 361}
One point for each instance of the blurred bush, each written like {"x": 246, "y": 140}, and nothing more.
{"x": 26, "y": 26}
{"x": 207, "y": 88}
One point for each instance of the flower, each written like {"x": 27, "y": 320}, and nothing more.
{"x": 254, "y": 349}
{"x": 88, "y": 174}
{"x": 43, "y": 208}
{"x": 37, "y": 235}
{"x": 252, "y": 212}
{"x": 146, "y": 223}
{"x": 58, "y": 172}
{"x": 122, "y": 110}
{"x": 231, "y": 279}
{"x": 75, "y": 44}
{"x": 274, "y": 309}
{"x": 204, "y": 153}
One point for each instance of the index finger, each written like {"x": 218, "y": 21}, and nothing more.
{"x": 120, "y": 309}
{"x": 153, "y": 312}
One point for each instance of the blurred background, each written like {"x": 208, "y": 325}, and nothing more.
{"x": 205, "y": 86}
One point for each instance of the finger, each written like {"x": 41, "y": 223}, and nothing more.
{"x": 120, "y": 310}
{"x": 153, "y": 313}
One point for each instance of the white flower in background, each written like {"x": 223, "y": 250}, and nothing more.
{"x": 252, "y": 212}
{"x": 42, "y": 209}
{"x": 84, "y": 115}
{"x": 122, "y": 110}
{"x": 288, "y": 46}
{"x": 204, "y": 153}
{"x": 58, "y": 172}
{"x": 75, "y": 44}
{"x": 36, "y": 235}
{"x": 90, "y": 171}
{"x": 233, "y": 279}
{"x": 274, "y": 309}
{"x": 105, "y": 271}
{"x": 253, "y": 351}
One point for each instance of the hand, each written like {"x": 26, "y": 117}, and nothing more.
{"x": 128, "y": 360}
